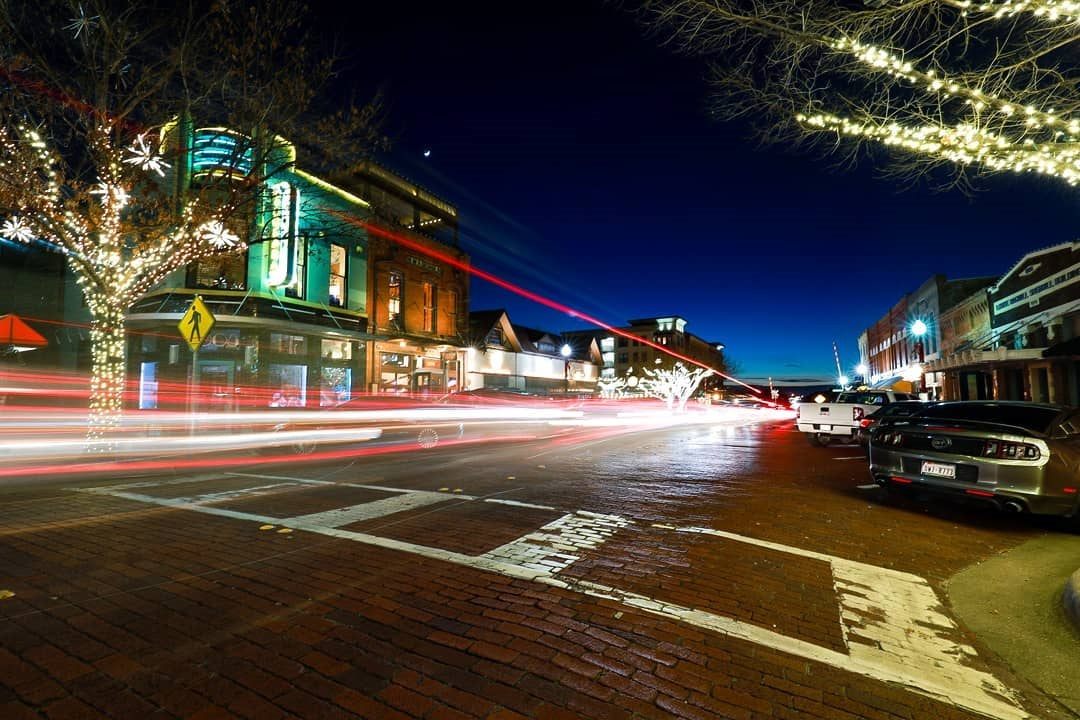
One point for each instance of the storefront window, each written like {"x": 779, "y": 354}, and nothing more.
{"x": 338, "y": 275}
{"x": 288, "y": 344}
{"x": 395, "y": 372}
{"x": 336, "y": 386}
{"x": 337, "y": 350}
{"x": 148, "y": 386}
{"x": 288, "y": 385}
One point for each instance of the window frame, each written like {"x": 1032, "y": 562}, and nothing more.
{"x": 298, "y": 287}
{"x": 430, "y": 307}
{"x": 395, "y": 295}
{"x": 343, "y": 276}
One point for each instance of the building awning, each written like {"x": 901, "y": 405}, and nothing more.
{"x": 896, "y": 382}
{"x": 16, "y": 335}
{"x": 1063, "y": 349}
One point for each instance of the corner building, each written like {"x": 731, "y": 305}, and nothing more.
{"x": 300, "y": 310}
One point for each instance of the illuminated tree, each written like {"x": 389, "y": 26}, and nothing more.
{"x": 973, "y": 87}
{"x": 673, "y": 385}
{"x": 96, "y": 101}
{"x": 611, "y": 388}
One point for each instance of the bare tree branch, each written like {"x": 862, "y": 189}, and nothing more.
{"x": 971, "y": 87}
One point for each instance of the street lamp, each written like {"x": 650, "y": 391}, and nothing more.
{"x": 918, "y": 329}
{"x": 565, "y": 351}
{"x": 863, "y": 370}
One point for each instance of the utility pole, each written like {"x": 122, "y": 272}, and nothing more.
{"x": 836, "y": 356}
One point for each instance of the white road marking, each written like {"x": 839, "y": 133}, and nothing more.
{"x": 370, "y": 510}
{"x": 867, "y": 486}
{"x": 851, "y": 457}
{"x": 552, "y": 547}
{"x": 517, "y": 503}
{"x": 892, "y": 622}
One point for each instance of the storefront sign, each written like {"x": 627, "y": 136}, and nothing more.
{"x": 424, "y": 264}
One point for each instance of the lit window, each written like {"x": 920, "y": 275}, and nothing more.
{"x": 338, "y": 274}
{"x": 429, "y": 307}
{"x": 220, "y": 272}
{"x": 393, "y": 302}
{"x": 452, "y": 311}
{"x": 296, "y": 288}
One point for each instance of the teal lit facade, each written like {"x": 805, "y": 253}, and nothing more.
{"x": 291, "y": 308}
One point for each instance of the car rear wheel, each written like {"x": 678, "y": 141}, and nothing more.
{"x": 822, "y": 439}
{"x": 427, "y": 438}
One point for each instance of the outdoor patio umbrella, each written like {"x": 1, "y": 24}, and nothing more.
{"x": 17, "y": 336}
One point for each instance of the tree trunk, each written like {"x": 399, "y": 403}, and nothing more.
{"x": 108, "y": 346}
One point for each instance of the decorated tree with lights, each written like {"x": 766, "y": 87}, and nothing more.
{"x": 962, "y": 86}
{"x": 96, "y": 101}
{"x": 673, "y": 385}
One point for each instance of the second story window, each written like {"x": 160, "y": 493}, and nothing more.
{"x": 452, "y": 312}
{"x": 429, "y": 307}
{"x": 296, "y": 287}
{"x": 393, "y": 297}
{"x": 219, "y": 272}
{"x": 338, "y": 275}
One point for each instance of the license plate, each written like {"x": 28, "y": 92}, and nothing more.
{"x": 938, "y": 469}
{"x": 825, "y": 428}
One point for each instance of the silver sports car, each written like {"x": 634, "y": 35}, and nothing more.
{"x": 1023, "y": 457}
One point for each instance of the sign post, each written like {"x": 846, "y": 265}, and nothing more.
{"x": 195, "y": 327}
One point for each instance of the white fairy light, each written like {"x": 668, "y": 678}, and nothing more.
{"x": 16, "y": 230}
{"x": 215, "y": 233}
{"x": 116, "y": 193}
{"x": 142, "y": 156}
{"x": 82, "y": 23}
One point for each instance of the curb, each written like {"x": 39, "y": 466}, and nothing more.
{"x": 1071, "y": 598}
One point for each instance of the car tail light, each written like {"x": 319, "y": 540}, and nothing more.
{"x": 865, "y": 423}
{"x": 891, "y": 438}
{"x": 857, "y": 413}
{"x": 1010, "y": 450}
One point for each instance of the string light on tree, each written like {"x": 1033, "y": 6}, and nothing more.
{"x": 974, "y": 87}
{"x": 16, "y": 230}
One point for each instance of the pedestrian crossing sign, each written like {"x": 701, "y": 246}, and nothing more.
{"x": 196, "y": 324}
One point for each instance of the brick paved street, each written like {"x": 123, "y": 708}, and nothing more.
{"x": 688, "y": 573}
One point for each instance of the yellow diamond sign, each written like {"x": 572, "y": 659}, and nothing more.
{"x": 196, "y": 324}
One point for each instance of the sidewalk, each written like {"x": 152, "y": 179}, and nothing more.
{"x": 1015, "y": 604}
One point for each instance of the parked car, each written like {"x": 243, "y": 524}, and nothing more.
{"x": 888, "y": 414}
{"x": 1020, "y": 456}
{"x": 838, "y": 420}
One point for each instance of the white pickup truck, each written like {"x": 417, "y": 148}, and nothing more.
{"x": 838, "y": 420}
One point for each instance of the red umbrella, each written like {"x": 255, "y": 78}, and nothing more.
{"x": 18, "y": 335}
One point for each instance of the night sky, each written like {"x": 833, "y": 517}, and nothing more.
{"x": 585, "y": 167}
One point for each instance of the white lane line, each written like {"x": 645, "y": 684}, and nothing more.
{"x": 517, "y": 503}
{"x": 851, "y": 457}
{"x": 370, "y": 510}
{"x": 867, "y": 486}
{"x": 362, "y": 486}
{"x": 902, "y": 637}
{"x": 264, "y": 476}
